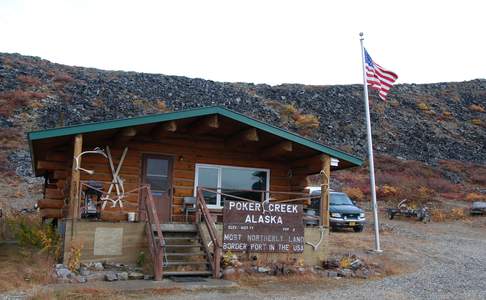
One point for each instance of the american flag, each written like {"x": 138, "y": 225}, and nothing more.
{"x": 379, "y": 78}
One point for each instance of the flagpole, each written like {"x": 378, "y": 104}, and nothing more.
{"x": 370, "y": 150}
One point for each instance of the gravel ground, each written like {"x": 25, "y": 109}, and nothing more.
{"x": 447, "y": 261}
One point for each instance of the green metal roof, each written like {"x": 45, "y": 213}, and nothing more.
{"x": 106, "y": 125}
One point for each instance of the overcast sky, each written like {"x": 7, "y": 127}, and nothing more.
{"x": 311, "y": 42}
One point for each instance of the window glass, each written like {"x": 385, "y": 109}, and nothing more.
{"x": 156, "y": 174}
{"x": 208, "y": 177}
{"x": 240, "y": 182}
{"x": 340, "y": 199}
{"x": 157, "y": 167}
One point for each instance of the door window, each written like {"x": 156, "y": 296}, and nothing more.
{"x": 157, "y": 174}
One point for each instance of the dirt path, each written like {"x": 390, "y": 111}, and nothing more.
{"x": 435, "y": 261}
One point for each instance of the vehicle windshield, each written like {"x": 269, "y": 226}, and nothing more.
{"x": 340, "y": 199}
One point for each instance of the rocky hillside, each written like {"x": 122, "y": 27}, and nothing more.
{"x": 426, "y": 122}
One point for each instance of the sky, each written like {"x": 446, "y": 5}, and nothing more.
{"x": 273, "y": 42}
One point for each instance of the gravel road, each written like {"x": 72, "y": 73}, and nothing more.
{"x": 447, "y": 261}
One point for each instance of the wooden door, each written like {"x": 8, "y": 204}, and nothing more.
{"x": 157, "y": 172}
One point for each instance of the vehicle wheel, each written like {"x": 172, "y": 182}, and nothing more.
{"x": 333, "y": 228}
{"x": 391, "y": 215}
{"x": 358, "y": 228}
{"x": 426, "y": 219}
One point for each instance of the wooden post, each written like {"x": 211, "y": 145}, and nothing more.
{"x": 325, "y": 176}
{"x": 75, "y": 178}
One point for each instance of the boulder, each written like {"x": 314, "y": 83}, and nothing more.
{"x": 111, "y": 276}
{"x": 135, "y": 275}
{"x": 122, "y": 276}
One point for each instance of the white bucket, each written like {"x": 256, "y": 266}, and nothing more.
{"x": 131, "y": 217}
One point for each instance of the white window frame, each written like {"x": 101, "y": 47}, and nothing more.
{"x": 220, "y": 172}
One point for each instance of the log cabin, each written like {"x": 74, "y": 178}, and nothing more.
{"x": 122, "y": 186}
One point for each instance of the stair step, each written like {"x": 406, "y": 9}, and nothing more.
{"x": 179, "y": 238}
{"x": 183, "y": 263}
{"x": 176, "y": 227}
{"x": 185, "y": 254}
{"x": 184, "y": 246}
{"x": 188, "y": 273}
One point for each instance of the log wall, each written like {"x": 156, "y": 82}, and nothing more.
{"x": 186, "y": 154}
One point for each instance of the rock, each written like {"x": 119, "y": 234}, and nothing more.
{"x": 81, "y": 279}
{"x": 135, "y": 275}
{"x": 263, "y": 270}
{"x": 332, "y": 274}
{"x": 63, "y": 273}
{"x": 362, "y": 273}
{"x": 83, "y": 271}
{"x": 122, "y": 276}
{"x": 230, "y": 273}
{"x": 345, "y": 273}
{"x": 287, "y": 270}
{"x": 111, "y": 276}
{"x": 98, "y": 266}
{"x": 356, "y": 264}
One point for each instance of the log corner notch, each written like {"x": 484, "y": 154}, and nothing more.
{"x": 205, "y": 125}
{"x": 245, "y": 136}
{"x": 325, "y": 181}
{"x": 75, "y": 179}
{"x": 164, "y": 129}
{"x": 123, "y": 136}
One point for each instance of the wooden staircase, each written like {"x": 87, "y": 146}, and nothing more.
{"x": 185, "y": 253}
{"x": 180, "y": 249}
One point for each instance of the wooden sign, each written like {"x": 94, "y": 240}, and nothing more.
{"x": 262, "y": 227}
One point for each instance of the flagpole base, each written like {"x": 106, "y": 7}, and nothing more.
{"x": 375, "y": 251}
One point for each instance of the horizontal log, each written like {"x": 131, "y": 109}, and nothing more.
{"x": 50, "y": 203}
{"x": 51, "y": 213}
{"x": 54, "y": 194}
{"x": 113, "y": 216}
{"x": 50, "y": 165}
{"x": 59, "y": 174}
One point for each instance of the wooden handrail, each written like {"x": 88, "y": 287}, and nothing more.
{"x": 156, "y": 244}
{"x": 203, "y": 211}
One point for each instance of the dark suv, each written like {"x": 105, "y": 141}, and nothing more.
{"x": 343, "y": 212}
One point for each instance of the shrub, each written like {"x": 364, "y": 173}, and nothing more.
{"x": 354, "y": 193}
{"x": 476, "y": 108}
{"x": 290, "y": 114}
{"x": 438, "y": 215}
{"x": 442, "y": 185}
{"x": 457, "y": 214}
{"x": 306, "y": 122}
{"x": 423, "y": 106}
{"x": 387, "y": 191}
{"x": 475, "y": 197}
{"x": 162, "y": 106}
{"x": 62, "y": 78}
{"x": 74, "y": 256}
{"x": 11, "y": 100}
{"x": 29, "y": 80}
{"x": 30, "y": 232}
{"x": 476, "y": 122}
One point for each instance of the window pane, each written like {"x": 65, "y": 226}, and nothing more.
{"x": 234, "y": 180}
{"x": 157, "y": 166}
{"x": 157, "y": 183}
{"x": 243, "y": 179}
{"x": 208, "y": 177}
